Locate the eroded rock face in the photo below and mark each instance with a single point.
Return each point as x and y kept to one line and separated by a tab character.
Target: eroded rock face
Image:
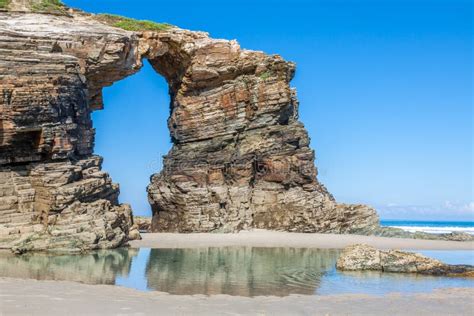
65	205
143	223
364	257
53	194
240	159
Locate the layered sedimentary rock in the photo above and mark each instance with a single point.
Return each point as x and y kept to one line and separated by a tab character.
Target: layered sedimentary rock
240	157
53	194
363	257
65	205
143	224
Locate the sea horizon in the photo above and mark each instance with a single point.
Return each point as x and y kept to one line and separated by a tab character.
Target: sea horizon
430	226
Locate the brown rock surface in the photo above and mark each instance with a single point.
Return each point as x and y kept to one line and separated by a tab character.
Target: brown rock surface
364	257
143	224
53	194
240	157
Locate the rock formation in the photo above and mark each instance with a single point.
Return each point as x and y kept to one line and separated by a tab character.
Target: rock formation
53	194
363	257
240	157
143	224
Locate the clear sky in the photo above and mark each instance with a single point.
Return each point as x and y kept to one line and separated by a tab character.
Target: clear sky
385	89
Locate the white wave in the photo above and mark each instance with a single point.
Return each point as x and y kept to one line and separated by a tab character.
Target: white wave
437	229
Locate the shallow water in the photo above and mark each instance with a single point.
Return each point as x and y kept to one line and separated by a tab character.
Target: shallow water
244	271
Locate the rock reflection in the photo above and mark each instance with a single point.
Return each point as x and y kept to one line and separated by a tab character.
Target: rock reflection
99	267
243	271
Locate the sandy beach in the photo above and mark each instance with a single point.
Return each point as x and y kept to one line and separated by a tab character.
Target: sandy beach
264	238
31	297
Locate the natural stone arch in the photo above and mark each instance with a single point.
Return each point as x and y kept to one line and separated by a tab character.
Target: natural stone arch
240	157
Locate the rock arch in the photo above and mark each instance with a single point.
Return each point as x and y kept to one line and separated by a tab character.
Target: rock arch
240	157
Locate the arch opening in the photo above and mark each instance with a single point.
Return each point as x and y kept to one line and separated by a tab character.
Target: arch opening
132	133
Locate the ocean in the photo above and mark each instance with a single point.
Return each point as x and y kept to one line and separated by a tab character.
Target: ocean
434	227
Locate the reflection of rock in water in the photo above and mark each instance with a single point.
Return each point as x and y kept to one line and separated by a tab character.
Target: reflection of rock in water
100	267
241	271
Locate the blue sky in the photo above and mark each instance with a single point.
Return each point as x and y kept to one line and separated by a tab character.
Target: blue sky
385	89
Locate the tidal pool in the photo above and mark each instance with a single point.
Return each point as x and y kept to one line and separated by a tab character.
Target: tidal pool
244	271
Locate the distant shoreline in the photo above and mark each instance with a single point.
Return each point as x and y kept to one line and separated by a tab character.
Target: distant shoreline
264	238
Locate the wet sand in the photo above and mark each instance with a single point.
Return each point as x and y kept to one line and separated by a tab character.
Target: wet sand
264	238
27	297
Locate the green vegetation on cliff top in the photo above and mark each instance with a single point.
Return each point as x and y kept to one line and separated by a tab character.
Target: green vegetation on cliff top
56	6
4	3
131	24
48	6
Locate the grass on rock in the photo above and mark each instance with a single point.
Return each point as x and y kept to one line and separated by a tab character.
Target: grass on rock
48	6
132	24
4	4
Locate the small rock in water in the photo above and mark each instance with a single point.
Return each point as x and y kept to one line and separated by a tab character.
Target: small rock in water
364	257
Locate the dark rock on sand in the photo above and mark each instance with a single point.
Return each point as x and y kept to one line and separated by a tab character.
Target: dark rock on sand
364	257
